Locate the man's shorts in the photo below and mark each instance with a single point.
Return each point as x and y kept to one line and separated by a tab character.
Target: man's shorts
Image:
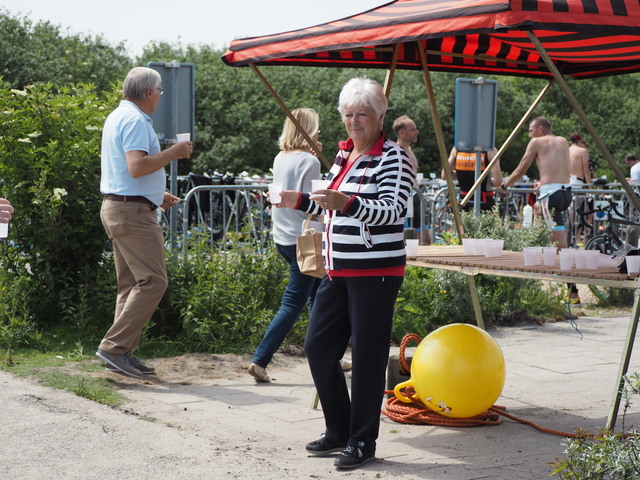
554	204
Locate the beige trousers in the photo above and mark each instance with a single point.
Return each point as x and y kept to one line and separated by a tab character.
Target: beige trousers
140	267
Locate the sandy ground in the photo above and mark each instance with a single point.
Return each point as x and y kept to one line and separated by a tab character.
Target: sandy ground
203	416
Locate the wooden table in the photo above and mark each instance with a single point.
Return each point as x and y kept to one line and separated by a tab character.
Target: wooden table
511	264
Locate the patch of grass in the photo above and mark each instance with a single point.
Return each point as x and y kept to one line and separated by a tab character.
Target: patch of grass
48	369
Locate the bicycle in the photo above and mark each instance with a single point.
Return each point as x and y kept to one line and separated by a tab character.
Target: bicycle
608	242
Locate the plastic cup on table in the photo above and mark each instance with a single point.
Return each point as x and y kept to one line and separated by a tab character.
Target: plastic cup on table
275	189
580	259
633	263
549	256
412	247
532	256
493	247
469	246
593	259
566	259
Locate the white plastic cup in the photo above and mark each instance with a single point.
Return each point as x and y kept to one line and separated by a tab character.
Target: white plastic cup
275	189
580	259
566	259
532	256
593	259
183	137
493	247
633	263
419	177
412	247
469	246
4	230
319	185
549	256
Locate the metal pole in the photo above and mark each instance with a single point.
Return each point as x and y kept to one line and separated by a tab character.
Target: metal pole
447	169
507	142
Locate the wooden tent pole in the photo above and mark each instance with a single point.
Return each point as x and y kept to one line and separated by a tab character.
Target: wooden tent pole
583	116
437	126
506	144
309	140
388	81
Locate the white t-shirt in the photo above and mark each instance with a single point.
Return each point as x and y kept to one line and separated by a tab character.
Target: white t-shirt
295	170
635	173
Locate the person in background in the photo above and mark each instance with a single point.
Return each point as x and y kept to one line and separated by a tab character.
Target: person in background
407	133
364	207
6	210
463	167
580	178
553	159
133	184
634	167
295	166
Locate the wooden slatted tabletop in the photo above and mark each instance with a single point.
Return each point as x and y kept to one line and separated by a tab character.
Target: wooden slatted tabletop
451	257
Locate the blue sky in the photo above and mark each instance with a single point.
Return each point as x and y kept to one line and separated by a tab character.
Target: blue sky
186	21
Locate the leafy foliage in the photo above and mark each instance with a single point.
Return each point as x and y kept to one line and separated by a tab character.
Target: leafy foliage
607	455
43	52
49	143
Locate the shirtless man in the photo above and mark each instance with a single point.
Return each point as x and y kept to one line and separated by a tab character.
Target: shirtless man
406	134
580	168
554	164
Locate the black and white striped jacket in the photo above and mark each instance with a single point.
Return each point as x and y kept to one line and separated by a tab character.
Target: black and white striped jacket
369	233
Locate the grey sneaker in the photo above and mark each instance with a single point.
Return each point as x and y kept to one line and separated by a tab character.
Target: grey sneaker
259	373
144	369
121	362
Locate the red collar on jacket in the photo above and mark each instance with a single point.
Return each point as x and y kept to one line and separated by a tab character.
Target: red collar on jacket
376	150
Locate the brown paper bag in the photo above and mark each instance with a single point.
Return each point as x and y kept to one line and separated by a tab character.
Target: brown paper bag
309	251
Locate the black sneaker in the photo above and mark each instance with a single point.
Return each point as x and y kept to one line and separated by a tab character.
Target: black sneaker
323	446
354	457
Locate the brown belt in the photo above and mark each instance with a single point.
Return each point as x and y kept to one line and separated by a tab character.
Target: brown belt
131	198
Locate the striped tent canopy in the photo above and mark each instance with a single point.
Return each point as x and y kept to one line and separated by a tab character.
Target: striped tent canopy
584	38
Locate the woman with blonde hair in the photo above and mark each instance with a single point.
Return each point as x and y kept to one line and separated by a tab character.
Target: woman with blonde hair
295	166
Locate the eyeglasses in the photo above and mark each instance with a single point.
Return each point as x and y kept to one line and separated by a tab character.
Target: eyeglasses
161	90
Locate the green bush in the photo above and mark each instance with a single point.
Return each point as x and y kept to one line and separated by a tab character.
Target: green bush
606	455
50	167
220	300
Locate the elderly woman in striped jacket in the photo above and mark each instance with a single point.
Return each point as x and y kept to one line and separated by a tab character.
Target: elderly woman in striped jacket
363	246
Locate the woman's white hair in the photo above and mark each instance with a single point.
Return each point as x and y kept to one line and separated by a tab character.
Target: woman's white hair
363	91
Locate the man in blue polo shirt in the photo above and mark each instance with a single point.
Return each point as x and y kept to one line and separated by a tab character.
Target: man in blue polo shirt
133	184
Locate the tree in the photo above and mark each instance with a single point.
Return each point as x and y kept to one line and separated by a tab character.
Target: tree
42	52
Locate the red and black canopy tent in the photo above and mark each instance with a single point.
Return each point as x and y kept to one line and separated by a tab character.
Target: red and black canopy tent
534	38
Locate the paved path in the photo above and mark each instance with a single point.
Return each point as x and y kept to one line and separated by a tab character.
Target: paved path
234	428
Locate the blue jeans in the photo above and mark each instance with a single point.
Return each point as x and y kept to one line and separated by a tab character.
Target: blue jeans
300	290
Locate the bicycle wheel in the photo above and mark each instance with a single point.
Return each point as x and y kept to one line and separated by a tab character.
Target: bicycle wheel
602	243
